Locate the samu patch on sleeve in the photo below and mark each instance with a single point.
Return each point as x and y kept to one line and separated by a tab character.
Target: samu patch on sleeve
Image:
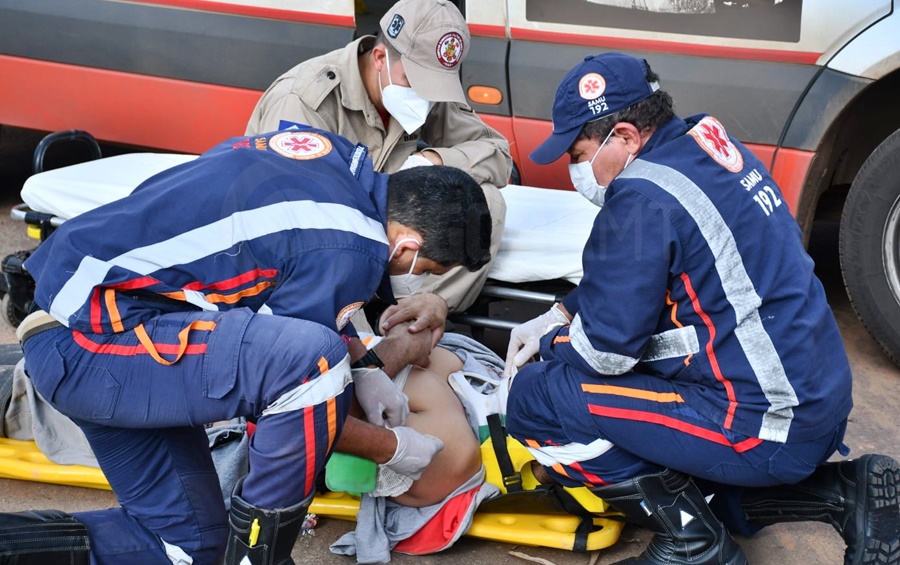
300	145
712	137
346	313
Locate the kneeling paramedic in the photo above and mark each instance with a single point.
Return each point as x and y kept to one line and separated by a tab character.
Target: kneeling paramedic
223	288
698	357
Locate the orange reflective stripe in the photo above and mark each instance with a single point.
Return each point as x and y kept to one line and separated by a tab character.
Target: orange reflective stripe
114	318
558	467
331	407
232	298
633	393
561	339
141	333
323	365
674	305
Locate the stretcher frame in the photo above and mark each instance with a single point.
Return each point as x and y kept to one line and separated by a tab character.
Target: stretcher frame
511	521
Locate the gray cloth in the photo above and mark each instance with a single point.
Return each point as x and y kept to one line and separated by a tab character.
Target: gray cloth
30	417
476	357
382	523
230	448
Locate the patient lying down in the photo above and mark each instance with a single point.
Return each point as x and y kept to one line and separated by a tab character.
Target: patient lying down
412	516
436	410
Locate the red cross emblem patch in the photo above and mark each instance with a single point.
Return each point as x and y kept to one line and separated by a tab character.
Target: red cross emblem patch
591	86
300	145
450	49
711	136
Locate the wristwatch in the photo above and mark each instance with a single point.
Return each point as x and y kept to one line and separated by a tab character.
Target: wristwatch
368	360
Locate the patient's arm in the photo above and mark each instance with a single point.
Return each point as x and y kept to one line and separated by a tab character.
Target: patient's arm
435	409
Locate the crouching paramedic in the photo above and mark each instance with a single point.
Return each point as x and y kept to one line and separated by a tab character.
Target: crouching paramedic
699	343
223	288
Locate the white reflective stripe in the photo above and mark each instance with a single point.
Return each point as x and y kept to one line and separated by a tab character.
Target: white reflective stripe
550	455
90	273
674	343
677	342
602	361
177	555
324	387
739	291
216	237
264	309
199	300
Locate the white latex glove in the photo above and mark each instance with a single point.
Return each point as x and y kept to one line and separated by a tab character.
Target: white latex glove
525	339
414	452
415	160
382	401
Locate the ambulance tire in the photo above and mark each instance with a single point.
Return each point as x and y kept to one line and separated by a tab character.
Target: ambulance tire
870	245
11	313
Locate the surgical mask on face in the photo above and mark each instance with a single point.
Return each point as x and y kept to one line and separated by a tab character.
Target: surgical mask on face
406	285
403	104
583	179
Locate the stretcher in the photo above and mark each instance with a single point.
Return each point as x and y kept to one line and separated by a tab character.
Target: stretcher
538	262
571	519
539	259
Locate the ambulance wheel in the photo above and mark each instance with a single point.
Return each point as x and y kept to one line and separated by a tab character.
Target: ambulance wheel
870	245
11	313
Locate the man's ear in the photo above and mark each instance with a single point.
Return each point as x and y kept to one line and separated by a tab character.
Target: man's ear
630	134
410	241
378	57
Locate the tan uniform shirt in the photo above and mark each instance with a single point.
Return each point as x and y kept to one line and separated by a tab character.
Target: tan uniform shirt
327	92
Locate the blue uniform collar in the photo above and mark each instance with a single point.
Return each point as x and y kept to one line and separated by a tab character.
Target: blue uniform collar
676	127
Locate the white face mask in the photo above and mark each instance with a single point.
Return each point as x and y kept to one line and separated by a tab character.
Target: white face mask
402	102
406	285
583	179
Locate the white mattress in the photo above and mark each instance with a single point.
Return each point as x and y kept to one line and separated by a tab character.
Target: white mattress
543	239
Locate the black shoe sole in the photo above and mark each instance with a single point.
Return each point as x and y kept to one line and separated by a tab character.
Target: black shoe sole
879	523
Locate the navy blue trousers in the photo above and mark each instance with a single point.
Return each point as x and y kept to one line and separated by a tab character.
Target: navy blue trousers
144	418
635	424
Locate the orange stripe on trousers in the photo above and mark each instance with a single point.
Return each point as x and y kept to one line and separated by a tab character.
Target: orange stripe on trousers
710	352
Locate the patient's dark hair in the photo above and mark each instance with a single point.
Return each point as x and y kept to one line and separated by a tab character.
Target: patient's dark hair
448	208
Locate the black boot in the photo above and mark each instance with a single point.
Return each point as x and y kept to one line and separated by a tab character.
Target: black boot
670	504
43	537
859	497
276	532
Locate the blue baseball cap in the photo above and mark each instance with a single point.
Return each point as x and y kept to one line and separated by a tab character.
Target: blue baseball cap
597	87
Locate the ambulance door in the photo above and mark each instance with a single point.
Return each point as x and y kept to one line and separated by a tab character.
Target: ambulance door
180	75
484	72
748	63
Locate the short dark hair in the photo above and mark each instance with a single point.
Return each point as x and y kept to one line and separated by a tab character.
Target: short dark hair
448	208
648	114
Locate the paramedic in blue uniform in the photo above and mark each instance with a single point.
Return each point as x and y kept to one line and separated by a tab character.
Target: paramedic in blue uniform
698	356
223	288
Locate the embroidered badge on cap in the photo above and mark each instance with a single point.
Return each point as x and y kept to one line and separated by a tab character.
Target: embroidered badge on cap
591	85
710	135
346	313
449	49
300	145
397	23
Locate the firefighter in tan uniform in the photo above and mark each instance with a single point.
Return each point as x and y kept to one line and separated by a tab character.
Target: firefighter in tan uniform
390	92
